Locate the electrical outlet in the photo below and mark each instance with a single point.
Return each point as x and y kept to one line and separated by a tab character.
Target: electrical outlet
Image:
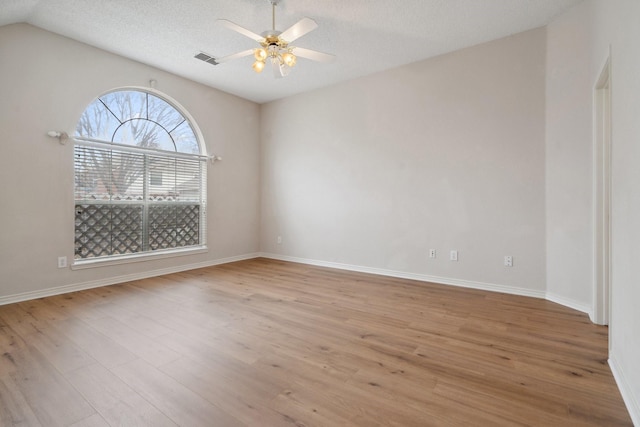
454	256
432	253
279	240
508	261
62	262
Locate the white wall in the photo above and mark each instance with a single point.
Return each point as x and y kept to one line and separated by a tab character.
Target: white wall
446	153
578	45
569	153
616	27
46	81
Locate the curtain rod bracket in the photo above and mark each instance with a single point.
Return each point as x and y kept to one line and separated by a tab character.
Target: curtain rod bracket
62	136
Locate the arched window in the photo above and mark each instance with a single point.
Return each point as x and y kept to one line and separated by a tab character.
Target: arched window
140	178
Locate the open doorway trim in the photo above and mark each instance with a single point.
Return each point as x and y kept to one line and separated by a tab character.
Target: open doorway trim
602	195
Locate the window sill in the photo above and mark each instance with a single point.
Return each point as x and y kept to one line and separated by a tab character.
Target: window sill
128	259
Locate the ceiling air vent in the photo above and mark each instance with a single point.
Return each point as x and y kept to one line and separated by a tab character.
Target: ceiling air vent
206	58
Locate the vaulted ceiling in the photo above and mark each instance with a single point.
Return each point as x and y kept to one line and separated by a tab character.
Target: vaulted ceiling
365	35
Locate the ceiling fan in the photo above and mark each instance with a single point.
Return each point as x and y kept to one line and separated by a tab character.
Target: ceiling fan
275	46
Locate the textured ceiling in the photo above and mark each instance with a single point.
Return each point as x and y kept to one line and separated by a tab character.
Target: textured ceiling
365	35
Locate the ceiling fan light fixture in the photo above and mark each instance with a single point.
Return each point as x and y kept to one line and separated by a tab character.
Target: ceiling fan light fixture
289	59
260	54
258	66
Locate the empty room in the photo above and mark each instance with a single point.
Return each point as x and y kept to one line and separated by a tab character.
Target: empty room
303	213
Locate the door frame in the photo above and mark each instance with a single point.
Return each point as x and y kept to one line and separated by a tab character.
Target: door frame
602	195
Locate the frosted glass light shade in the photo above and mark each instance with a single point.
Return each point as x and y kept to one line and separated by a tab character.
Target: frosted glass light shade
258	66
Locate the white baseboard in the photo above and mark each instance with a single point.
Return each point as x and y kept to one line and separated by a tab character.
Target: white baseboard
567	302
412	276
633	405
25	296
379	271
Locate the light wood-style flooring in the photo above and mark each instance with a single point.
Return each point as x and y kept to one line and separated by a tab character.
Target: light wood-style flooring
270	343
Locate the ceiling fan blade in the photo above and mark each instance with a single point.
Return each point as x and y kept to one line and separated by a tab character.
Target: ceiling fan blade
237	28
299	29
234	56
314	55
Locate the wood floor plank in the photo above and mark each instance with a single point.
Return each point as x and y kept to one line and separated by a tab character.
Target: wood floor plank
94	420
233	393
116	402
21	321
294	409
43	310
97	345
144	325
59	350
51	398
10	343
223	366
274	343
81	305
14	409
148	349
179	403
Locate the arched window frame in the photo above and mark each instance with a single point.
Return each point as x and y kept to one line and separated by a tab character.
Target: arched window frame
154	238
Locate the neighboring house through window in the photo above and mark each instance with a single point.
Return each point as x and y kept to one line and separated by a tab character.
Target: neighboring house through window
140	178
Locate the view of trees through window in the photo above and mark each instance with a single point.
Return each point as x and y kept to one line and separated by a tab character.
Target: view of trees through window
139	179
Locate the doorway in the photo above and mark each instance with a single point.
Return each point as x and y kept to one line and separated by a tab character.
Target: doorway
602	202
